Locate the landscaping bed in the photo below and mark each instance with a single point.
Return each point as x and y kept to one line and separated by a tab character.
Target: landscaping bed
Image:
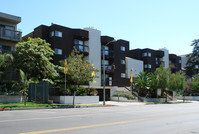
31	105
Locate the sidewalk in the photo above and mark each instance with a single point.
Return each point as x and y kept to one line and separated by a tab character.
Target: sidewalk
115	103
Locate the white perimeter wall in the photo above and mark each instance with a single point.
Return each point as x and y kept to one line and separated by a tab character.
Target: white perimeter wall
166	57
94	56
79	99
137	66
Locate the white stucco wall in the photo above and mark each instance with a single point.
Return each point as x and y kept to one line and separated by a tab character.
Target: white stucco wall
136	65
166	57
183	61
79	99
11	99
94	56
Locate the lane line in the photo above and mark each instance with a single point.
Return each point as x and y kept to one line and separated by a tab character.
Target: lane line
106	124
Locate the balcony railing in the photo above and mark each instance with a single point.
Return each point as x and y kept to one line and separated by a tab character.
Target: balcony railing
172	66
10	34
108	69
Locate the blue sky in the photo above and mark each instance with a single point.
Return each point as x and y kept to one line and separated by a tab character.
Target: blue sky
145	23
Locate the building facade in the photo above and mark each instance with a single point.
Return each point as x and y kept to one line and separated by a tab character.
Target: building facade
89	42
175	63
9	36
152	59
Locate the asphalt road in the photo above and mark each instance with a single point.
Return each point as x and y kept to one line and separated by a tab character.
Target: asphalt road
123	119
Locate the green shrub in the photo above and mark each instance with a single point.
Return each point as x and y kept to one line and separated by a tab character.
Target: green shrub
92	92
125	95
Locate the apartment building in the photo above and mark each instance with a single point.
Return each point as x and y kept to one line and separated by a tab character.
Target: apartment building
175	63
152	59
90	42
9	36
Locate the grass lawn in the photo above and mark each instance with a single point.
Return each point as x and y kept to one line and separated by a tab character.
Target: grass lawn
32	104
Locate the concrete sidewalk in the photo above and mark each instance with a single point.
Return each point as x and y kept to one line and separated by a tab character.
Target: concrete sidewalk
115	103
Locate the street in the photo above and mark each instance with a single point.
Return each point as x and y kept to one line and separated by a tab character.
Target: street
123	119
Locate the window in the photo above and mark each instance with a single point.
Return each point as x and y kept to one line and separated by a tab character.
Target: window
55	33
52	34
145	65
149	65
149	54
106	50
122	61
122	48
180	61
144	54
123	75
110	81
79	42
58	51
105	47
58	33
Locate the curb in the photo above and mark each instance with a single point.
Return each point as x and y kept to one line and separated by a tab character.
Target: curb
58	107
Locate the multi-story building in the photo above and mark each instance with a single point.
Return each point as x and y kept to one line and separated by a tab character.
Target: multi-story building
115	63
90	42
175	63
62	39
152	59
9	35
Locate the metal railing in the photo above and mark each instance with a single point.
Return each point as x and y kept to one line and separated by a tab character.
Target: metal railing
10	34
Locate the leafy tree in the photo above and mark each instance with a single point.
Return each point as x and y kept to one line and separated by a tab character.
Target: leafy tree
195	84
142	83
192	66
177	82
5	62
33	57
79	71
24	84
153	85
163	80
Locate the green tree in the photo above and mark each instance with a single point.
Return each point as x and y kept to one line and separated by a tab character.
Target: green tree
33	57
163	80
177	82
192	66
153	85
5	63
142	83
79	70
195	84
24	84
5	60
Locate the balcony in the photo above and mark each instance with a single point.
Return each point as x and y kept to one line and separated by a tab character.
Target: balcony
82	49
172	66
10	35
108	69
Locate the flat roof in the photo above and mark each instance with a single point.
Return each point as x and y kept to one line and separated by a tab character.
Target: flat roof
10	18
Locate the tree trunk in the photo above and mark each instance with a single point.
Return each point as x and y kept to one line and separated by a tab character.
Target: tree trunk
25	99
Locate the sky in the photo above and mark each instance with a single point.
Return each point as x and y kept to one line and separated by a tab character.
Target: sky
154	24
